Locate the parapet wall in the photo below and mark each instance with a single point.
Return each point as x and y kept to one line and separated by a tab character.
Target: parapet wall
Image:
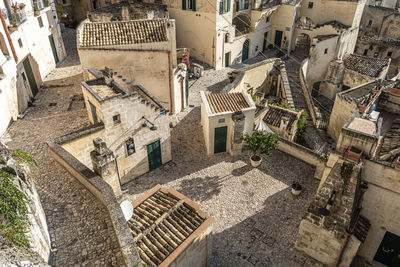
306	90
103	192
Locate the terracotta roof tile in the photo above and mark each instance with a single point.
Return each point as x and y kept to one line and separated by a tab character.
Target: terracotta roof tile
366	65
223	102
161	223
123	32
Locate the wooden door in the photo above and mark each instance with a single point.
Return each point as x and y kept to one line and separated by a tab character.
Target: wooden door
388	252
53	48
220	139
154	155
30	76
245	50
94	113
278	39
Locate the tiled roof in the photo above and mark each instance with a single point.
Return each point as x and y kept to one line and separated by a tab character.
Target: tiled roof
365	65
275	114
162	222
123	32
224	102
391	141
357	93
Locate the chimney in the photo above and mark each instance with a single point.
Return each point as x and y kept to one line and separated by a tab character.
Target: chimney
104	165
125	13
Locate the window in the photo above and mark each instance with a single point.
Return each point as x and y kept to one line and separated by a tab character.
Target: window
116	119
365	52
389	54
310	5
130	146
370	23
226	37
221	120
40	21
246	4
20	42
326	51
267	19
224	6
189	5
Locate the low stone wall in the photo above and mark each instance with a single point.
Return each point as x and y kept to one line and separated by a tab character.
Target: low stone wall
103	192
302	153
306	91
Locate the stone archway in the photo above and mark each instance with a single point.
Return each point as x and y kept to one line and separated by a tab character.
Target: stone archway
303	42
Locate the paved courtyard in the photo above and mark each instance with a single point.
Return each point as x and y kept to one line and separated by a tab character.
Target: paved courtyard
256	217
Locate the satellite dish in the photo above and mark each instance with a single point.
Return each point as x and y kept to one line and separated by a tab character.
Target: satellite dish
127	209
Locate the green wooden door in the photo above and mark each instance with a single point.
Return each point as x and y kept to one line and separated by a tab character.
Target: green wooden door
278	39
220	139
31	77
53	48
227	57
388	252
94	113
245	50
154	155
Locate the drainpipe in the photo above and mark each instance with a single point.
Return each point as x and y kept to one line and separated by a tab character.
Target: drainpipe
3	21
170	87
345	242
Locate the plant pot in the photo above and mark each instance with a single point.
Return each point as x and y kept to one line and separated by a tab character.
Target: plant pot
362	109
296	192
255	161
16	10
395	91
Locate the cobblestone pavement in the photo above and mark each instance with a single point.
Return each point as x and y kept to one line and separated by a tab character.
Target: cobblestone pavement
79	224
256	217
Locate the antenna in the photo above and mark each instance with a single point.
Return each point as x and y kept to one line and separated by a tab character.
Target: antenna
127	209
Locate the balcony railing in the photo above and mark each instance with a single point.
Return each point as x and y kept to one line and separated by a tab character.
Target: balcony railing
18	16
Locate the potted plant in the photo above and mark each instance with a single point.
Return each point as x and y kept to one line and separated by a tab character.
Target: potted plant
260	142
15	7
21	6
296	188
395	89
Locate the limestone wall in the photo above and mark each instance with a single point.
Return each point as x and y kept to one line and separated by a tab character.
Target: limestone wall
150	69
341	113
303	72
37	231
381	205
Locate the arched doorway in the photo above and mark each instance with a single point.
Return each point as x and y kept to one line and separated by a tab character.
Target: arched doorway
245	50
303	42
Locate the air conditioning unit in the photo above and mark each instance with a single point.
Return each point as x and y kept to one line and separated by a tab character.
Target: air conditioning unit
38	5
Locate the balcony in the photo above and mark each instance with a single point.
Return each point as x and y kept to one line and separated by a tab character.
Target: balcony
39	5
17	17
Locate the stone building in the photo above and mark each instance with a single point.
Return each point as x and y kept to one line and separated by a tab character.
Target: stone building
380	36
31	46
225	117
351	72
133	127
143	51
281	121
357	215
346	102
170	230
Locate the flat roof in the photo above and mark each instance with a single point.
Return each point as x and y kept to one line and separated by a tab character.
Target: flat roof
224	102
363	125
164	223
103	91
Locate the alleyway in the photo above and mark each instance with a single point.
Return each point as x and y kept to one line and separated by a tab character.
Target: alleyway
79	225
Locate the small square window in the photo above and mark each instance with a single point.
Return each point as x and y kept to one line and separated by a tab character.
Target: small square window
326	51
310	5
20	42
116	119
389	54
365	52
221	120
40	21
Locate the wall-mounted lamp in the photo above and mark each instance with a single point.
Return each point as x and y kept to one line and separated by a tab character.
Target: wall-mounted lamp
152	127
325	211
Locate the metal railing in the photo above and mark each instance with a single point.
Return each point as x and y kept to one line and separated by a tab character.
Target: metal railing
18	17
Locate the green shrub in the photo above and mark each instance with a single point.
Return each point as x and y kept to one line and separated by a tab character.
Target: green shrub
301	128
